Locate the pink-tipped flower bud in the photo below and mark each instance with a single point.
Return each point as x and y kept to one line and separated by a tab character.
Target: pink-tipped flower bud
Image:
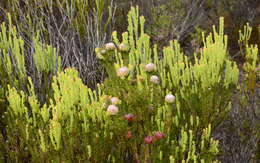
112	110
129	117
154	79
115	100
123	47
169	98
128	135
123	71
150	67
148	140
159	135
110	46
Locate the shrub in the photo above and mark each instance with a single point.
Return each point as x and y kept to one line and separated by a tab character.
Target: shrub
129	116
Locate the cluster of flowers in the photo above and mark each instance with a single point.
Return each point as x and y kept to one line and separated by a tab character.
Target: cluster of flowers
124	71
148	139
113	109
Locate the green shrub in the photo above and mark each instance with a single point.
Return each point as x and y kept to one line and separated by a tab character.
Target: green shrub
149	108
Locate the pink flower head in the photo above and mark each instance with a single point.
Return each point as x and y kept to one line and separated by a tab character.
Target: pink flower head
129	117
148	140
154	79
128	135
112	110
169	98
115	100
159	135
150	67
110	46
123	71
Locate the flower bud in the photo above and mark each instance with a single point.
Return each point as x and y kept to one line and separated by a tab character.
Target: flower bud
159	135
129	117
112	110
123	71
103	51
115	100
150	67
110	46
128	135
154	79
123	47
148	140
169	98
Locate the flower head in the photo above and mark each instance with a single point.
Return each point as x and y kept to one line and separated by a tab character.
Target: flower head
123	71
169	98
103	51
148	140
159	135
110	46
115	100
112	110
154	79
150	67
128	135
129	117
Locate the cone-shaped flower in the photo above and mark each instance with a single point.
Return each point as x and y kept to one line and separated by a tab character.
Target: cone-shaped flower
148	140
128	135
112	110
150	67
123	47
129	117
110	46
123	71
115	100
159	135
154	79
169	98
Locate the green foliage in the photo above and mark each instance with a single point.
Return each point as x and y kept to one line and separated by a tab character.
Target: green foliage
150	108
45	58
12	55
203	89
14	74
66	133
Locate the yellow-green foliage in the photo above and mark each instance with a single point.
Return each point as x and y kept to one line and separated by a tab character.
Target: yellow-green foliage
73	120
12	49
250	67
12	56
203	86
79	122
182	104
45	58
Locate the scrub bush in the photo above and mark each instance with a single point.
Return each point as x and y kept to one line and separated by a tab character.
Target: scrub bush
150	108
